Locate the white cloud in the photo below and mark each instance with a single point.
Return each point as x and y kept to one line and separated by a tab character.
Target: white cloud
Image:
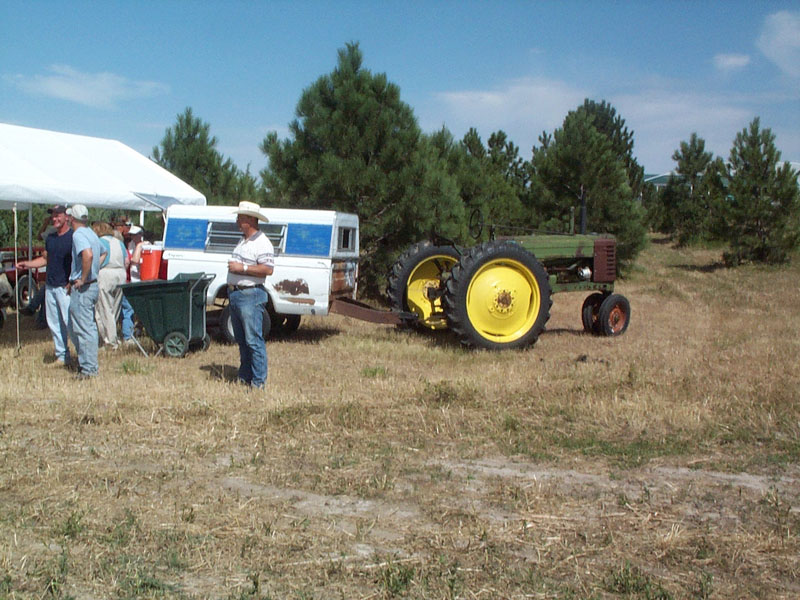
523	108
731	62
780	41
660	114
97	90
662	118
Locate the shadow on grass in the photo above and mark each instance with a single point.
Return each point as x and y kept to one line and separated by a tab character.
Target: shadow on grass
305	335
445	339
566	331
28	331
441	338
661	240
226	373
709	268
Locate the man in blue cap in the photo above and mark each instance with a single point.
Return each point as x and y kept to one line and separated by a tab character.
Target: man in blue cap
57	257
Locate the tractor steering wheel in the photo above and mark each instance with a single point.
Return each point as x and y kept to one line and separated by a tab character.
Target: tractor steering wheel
476	224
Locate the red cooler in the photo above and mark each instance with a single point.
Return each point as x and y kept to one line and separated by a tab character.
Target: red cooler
152	267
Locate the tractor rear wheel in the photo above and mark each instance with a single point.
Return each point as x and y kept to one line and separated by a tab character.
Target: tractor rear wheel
614	315
416	283
498	297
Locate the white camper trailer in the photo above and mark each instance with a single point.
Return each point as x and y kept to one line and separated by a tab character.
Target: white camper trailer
316	257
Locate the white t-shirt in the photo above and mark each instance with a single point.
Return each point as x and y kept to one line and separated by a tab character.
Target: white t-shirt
134	266
255	250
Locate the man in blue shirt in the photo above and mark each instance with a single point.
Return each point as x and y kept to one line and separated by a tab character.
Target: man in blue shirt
87	254
57	257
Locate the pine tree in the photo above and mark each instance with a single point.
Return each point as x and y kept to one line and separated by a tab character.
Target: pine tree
692	215
188	150
487	178
664	215
581	161
609	123
764	212
355	146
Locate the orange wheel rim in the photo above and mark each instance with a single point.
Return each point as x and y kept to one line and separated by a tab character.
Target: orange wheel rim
617	319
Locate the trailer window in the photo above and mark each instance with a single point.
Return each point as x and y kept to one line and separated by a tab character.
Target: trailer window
223	237
347	238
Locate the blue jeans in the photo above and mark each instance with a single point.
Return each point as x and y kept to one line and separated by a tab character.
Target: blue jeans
247	310
126	310
83	328
57	303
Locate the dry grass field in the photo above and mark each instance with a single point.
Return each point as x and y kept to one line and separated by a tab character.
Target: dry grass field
386	464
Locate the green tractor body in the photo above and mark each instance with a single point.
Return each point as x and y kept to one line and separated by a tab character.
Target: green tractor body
497	295
574	263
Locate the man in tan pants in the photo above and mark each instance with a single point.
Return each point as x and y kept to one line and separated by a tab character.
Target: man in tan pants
112	274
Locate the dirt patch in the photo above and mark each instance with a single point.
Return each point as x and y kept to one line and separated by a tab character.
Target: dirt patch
345	510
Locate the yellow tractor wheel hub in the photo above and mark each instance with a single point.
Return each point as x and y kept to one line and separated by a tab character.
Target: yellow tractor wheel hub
503	300
427	276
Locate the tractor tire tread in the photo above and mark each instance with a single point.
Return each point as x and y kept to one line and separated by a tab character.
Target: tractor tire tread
397	281
458	283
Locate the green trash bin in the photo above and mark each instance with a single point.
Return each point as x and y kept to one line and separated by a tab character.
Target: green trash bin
172	312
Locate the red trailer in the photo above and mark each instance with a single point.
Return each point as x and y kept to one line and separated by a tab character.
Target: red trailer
24	283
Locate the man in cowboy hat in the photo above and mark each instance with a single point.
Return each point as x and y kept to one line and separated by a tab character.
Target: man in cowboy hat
251	263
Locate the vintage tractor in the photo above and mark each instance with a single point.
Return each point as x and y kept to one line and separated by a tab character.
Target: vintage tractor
497	295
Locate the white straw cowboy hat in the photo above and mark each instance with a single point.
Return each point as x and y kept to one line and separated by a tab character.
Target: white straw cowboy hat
251	209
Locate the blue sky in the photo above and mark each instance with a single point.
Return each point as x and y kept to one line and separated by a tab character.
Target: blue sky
125	70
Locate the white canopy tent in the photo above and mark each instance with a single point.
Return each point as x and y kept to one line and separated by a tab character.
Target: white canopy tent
48	167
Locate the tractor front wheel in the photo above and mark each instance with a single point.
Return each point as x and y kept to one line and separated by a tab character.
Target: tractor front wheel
614	315
498	297
590	311
416	283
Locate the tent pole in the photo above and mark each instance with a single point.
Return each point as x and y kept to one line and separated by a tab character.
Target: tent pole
30	232
16	279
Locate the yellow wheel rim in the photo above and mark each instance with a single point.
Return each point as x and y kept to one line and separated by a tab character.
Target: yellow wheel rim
427	275
503	300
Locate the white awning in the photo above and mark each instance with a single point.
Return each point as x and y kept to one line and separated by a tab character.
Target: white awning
47	167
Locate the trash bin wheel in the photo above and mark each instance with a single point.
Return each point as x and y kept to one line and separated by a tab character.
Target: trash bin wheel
175	344
206	342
